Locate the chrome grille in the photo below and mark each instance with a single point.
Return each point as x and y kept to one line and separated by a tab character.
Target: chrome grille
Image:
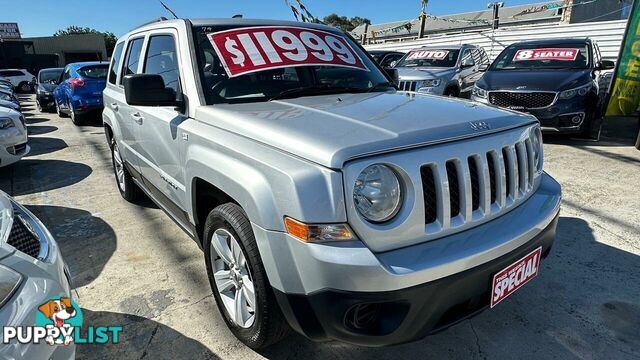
22	239
522	100
407	85
477	185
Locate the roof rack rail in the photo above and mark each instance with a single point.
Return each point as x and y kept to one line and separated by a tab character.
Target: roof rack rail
161	18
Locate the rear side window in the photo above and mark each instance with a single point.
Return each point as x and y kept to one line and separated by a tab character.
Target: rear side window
133	57
11	73
94	72
115	63
161	59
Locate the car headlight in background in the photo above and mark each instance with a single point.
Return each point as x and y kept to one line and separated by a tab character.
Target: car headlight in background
536	144
6	123
479	92
580	91
9	283
377	193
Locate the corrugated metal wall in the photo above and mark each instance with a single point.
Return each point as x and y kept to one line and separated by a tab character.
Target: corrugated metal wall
608	34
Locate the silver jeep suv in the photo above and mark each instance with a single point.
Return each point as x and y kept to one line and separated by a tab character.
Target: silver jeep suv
448	70
324	199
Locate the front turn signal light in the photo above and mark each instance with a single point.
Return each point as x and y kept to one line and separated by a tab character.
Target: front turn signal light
318	233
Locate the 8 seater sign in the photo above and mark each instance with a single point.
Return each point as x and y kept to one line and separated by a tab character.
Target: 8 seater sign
564	54
250	49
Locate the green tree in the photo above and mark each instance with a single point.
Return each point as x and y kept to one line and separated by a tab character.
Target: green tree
109	38
344	22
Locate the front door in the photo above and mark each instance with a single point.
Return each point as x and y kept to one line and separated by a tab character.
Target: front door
159	135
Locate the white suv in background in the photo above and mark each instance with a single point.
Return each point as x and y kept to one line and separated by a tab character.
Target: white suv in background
21	79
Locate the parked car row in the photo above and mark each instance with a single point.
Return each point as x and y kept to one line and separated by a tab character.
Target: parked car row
13	129
20	79
558	81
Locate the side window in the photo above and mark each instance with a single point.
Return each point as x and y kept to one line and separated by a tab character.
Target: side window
132	58
4	73
162	59
466	55
485	58
115	63
66	74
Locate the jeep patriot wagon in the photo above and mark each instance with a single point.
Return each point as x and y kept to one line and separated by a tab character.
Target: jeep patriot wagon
325	200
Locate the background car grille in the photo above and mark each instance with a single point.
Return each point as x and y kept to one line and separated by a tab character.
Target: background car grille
407	85
521	100
498	177
23	240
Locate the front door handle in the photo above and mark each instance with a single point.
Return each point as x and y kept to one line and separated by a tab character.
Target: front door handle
115	106
137	118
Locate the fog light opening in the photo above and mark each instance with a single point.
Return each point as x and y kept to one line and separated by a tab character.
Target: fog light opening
576	119
363	316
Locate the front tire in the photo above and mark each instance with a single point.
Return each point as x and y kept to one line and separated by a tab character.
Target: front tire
127	188
238	279
452	92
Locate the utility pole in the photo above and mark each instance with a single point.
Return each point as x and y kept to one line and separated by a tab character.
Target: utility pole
496	13
423	19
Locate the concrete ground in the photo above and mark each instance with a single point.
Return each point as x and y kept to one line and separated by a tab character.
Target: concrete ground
134	267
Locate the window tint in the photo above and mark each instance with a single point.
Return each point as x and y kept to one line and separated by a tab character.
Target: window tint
115	63
11	73
133	57
162	60
93	72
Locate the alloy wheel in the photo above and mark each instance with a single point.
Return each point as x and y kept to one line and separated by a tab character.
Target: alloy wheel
232	278
119	168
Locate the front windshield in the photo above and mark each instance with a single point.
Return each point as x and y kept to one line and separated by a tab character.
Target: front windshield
49	76
294	69
547	57
430	58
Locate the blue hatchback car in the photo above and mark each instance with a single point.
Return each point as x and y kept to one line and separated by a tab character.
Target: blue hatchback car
79	92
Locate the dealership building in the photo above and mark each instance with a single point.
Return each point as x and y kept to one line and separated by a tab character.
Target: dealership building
35	53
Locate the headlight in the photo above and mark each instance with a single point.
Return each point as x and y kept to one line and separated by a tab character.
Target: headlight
6	123
536	144
581	91
377	194
430	83
6	217
9	283
479	92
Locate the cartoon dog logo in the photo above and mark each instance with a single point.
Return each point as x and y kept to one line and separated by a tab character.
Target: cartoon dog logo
58	311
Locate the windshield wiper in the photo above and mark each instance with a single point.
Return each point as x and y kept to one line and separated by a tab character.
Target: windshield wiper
315	90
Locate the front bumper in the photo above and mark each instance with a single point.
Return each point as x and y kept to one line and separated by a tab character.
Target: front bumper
417	289
13	146
46	101
42	280
564	116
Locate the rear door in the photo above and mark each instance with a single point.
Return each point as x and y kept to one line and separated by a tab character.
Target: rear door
129	124
467	74
160	135
62	90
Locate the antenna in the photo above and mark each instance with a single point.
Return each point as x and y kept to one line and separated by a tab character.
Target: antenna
169	10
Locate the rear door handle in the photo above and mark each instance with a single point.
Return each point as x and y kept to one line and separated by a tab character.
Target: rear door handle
115	106
137	118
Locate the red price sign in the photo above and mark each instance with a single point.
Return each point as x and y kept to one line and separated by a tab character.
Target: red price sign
251	49
563	54
428	55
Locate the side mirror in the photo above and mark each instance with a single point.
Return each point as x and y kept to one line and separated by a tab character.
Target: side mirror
483	67
467	63
606	65
393	74
148	90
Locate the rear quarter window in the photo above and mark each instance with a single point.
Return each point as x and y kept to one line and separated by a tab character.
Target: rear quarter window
115	63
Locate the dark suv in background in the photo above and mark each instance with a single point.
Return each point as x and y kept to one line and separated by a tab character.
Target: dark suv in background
558	81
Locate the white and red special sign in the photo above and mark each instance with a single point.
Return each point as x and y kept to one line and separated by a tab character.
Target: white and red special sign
428	55
507	281
251	49
564	54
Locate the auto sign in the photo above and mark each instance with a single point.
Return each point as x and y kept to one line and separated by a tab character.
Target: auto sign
252	49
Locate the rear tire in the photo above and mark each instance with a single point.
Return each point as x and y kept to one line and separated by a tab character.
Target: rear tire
226	231
127	188
76	119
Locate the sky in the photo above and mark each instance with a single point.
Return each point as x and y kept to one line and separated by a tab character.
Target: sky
44	17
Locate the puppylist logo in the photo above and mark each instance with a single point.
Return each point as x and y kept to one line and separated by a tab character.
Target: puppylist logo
59	322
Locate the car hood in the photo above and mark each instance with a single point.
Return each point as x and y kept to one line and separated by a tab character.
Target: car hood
555	80
330	130
6	105
423	73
